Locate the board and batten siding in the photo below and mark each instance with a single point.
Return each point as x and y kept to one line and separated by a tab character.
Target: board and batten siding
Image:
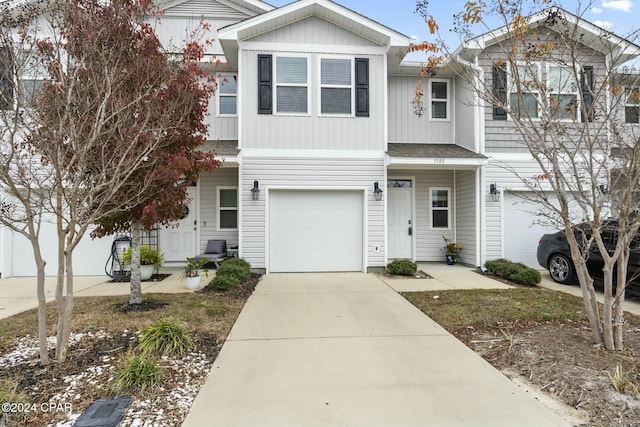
220	127
466	215
404	124
308	174
173	31
501	136
312	132
465	107
313	30
209	182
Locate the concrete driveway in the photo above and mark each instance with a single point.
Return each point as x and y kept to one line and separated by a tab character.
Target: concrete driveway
345	349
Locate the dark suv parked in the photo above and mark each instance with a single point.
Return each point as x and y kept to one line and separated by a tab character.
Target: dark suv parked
554	255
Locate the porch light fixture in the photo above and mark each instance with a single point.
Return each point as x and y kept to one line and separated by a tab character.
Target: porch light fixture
255	191
377	191
495	193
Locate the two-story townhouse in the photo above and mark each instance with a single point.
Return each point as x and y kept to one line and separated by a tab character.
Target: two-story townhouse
327	167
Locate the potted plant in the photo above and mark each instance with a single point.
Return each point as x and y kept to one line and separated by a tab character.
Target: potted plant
452	251
150	259
191	272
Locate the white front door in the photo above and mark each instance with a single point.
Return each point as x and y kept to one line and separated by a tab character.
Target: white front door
400	221
179	242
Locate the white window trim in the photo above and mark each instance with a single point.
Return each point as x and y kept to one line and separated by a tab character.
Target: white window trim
219	208
221	77
321	86
276	84
512	87
448	208
627	105
447	100
575	93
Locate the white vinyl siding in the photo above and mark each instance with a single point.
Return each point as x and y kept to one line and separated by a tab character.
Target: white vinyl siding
336	86
312	131
226	177
317	173
466	218
206	8
314	30
406	126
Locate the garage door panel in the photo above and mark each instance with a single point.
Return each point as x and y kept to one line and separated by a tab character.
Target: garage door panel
315	231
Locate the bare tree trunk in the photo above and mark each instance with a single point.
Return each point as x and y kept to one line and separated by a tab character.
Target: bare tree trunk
618	323
590	302
136	279
607	327
42	313
60	300
67	314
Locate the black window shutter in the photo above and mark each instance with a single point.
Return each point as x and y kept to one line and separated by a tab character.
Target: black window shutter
6	79
586	85
265	84
499	91
362	87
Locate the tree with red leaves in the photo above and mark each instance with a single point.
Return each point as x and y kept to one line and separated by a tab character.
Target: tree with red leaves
119	125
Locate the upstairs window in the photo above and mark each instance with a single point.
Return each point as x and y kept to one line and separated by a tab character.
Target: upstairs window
632	105
32	78
563	92
292	84
523	93
439	94
228	95
336	80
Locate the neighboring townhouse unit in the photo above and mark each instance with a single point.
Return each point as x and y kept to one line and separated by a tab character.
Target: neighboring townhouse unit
326	165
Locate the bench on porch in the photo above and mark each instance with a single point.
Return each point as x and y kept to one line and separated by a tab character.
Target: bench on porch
215	252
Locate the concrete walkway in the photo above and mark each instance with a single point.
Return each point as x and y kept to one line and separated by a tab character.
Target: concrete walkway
18	294
347	350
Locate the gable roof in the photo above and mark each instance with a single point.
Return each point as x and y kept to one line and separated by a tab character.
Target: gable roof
617	48
246	7
324	9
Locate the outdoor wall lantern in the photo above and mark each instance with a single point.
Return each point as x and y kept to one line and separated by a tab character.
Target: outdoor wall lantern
255	191
495	193
377	191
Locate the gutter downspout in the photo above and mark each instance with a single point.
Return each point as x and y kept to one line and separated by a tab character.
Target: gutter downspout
479	147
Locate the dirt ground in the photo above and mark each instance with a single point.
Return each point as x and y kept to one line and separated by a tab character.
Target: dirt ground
556	360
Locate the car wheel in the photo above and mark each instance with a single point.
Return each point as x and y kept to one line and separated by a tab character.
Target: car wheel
561	269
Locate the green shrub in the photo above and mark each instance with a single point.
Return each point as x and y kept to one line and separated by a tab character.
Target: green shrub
223	283
166	336
402	267
514	271
238	261
234	269
137	372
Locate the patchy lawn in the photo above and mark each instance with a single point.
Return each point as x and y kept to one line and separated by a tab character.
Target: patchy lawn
540	338
104	331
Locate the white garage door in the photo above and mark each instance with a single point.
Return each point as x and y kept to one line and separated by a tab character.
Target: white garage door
315	230
521	236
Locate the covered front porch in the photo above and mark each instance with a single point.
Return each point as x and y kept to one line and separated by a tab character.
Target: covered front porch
434	191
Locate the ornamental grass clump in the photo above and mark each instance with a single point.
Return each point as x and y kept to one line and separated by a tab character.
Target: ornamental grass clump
137	372
166	336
